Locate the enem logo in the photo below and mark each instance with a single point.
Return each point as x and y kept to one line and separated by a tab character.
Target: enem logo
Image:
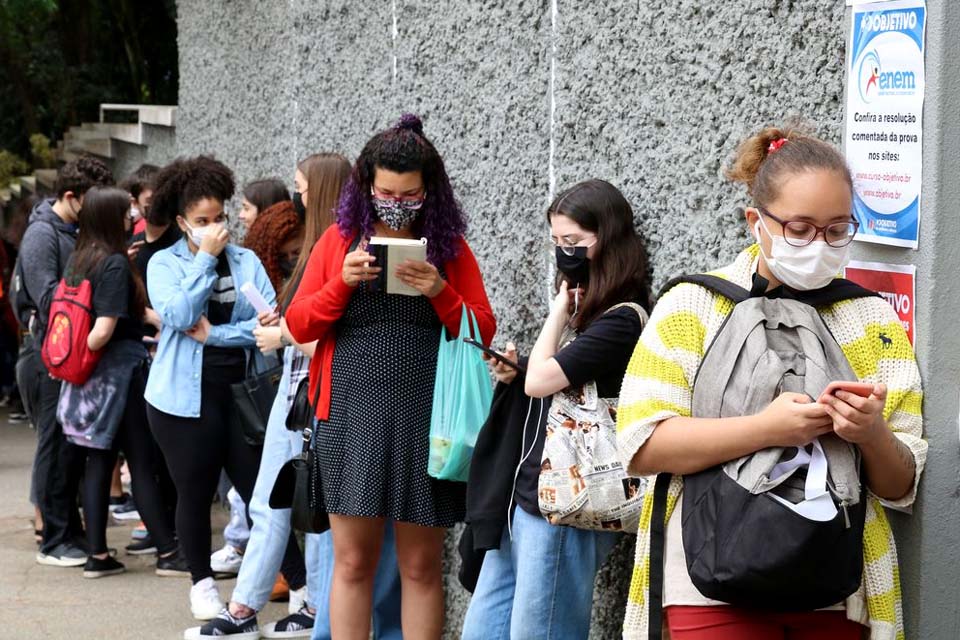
874	81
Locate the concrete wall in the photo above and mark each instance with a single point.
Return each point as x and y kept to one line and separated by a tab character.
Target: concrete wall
524	98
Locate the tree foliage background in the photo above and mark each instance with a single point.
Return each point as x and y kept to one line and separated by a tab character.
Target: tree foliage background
59	59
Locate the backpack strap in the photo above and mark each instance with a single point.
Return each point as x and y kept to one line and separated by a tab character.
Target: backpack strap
657	536
716	284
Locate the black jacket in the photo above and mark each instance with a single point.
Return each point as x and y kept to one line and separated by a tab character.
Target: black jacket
492	471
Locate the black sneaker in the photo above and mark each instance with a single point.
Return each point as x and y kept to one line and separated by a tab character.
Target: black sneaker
141	547
226	625
63	555
173	566
97	568
297	625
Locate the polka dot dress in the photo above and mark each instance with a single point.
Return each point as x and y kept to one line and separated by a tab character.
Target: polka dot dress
373	450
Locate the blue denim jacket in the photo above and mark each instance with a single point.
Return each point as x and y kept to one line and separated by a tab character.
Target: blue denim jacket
179	285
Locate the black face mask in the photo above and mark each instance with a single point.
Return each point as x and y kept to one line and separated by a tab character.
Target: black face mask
299	207
287	266
575	267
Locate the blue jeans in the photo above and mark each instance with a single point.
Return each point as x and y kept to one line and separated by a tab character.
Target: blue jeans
539	585
271	530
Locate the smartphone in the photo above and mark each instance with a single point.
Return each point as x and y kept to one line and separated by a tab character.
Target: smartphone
493	354
862	389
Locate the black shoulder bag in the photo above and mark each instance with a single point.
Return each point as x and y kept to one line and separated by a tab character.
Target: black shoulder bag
298	484
253	398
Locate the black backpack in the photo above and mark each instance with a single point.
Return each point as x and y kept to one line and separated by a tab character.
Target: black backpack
757	533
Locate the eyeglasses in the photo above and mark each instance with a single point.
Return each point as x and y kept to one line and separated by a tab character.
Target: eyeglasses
799	233
570	248
411	201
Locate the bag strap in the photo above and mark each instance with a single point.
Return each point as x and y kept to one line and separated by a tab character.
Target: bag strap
641	312
355	243
308	428
716	284
657	535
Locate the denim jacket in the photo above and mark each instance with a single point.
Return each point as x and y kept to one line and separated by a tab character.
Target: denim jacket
179	285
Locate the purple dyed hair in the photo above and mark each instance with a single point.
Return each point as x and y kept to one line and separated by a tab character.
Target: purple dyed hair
404	148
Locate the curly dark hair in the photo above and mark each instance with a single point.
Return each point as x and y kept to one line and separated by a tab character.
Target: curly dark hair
404	148
81	174
271	230
186	181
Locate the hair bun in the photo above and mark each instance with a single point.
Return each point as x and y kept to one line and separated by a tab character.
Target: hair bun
411	122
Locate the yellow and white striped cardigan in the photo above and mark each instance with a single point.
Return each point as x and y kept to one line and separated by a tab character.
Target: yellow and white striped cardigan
658	385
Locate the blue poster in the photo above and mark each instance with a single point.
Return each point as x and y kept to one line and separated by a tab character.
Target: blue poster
884	128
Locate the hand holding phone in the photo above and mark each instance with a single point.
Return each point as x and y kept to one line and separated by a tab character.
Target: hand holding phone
862	389
495	355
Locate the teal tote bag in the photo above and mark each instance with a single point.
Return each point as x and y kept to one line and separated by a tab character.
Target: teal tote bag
462	395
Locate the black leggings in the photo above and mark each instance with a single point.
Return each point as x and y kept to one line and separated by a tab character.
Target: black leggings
196	449
136	442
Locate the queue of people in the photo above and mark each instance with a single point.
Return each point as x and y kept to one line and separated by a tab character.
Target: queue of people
750	427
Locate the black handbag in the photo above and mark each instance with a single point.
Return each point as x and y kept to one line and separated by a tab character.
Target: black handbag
298	486
300	411
253	398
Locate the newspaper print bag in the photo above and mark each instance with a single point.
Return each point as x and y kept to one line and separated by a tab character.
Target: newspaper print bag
582	482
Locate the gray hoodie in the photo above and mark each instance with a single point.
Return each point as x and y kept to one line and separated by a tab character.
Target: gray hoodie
44	252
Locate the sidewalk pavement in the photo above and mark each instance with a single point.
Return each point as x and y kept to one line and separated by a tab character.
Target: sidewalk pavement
47	602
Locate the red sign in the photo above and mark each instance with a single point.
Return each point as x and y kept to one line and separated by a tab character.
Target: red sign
895	282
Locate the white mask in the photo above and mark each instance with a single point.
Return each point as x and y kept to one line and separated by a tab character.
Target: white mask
802	268
134	214
197	234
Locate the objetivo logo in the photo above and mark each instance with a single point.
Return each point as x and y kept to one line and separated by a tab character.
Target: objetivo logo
875	81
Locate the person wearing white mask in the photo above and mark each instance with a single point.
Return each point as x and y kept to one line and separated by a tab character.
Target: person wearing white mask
802	222
206	342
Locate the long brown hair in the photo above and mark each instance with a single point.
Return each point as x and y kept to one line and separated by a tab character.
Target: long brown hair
619	271
102	235
326	174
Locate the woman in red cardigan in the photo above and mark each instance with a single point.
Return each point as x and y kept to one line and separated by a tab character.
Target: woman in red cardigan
376	365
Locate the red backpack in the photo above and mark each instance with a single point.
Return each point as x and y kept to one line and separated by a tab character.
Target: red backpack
65	351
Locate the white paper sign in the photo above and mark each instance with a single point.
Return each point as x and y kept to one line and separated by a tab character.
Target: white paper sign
884	128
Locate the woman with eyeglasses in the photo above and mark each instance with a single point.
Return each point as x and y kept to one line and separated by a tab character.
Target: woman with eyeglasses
205	343
375	366
539	583
801	221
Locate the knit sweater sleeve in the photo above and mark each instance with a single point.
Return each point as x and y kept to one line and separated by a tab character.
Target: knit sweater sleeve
879	351
658	383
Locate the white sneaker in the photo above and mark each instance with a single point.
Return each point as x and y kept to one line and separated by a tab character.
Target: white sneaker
205	602
226	560
298	600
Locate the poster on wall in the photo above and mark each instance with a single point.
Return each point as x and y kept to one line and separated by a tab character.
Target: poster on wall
884	137
896	283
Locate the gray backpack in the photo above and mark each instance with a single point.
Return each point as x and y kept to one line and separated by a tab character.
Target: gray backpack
782	528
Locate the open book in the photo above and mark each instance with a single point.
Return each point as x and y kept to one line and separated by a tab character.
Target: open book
390	254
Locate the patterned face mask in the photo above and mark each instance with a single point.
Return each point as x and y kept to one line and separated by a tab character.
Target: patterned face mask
397	214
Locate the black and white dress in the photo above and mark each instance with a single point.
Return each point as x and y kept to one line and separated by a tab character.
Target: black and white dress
373	450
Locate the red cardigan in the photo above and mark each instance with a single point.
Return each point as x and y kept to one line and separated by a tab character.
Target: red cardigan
323	296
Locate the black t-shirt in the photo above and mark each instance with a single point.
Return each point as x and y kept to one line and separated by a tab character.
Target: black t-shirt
113	293
220	311
148	249
601	353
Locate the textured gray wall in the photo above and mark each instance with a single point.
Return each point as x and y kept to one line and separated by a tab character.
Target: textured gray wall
524	98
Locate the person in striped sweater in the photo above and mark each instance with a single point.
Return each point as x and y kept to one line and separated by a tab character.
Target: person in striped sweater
792	178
